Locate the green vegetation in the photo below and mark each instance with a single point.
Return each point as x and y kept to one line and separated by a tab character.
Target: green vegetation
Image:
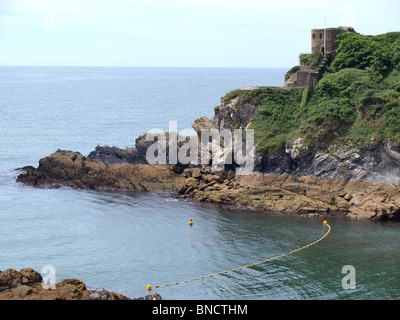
311	60
277	117
231	95
291	71
357	100
377	54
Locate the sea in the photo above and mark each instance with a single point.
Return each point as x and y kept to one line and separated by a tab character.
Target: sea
124	241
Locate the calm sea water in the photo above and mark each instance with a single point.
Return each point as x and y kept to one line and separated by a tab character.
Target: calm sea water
123	241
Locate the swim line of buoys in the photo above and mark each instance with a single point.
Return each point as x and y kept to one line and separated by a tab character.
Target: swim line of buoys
325	223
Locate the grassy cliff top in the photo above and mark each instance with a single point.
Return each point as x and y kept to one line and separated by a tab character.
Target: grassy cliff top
357	100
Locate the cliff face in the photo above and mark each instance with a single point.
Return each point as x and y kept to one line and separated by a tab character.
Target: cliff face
374	162
346	127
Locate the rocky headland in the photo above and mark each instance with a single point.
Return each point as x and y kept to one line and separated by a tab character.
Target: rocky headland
330	147
283	193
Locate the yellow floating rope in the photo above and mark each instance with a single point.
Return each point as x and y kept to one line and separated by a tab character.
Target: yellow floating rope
325	223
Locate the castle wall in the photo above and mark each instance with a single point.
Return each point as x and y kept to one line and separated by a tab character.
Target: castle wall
307	79
317	39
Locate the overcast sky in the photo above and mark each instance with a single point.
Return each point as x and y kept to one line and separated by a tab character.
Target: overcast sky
177	33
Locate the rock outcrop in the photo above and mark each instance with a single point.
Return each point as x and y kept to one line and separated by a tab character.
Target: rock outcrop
374	162
26	284
291	194
72	169
278	192
112	155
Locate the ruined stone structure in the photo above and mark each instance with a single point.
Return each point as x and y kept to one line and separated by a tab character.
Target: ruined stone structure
323	41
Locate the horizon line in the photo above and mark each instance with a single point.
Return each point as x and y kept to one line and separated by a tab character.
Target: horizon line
100	66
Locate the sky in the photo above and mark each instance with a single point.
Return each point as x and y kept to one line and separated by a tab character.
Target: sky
177	33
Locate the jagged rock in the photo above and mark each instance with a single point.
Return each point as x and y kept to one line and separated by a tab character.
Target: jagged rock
71	289
21	292
76	171
30	276
192	182
170	139
153	296
203	123
231	174
196	173
10	279
111	155
99	294
141	144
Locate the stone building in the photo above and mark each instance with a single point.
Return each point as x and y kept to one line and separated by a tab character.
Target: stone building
324	42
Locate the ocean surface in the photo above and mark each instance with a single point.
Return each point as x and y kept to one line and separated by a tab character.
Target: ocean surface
123	241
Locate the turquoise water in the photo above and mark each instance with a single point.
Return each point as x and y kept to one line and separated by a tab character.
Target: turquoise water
123	241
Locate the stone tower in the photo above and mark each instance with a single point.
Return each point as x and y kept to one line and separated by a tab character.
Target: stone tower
324	40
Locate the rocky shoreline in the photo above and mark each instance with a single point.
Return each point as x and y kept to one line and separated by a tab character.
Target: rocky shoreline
26	284
325	179
283	193
289	194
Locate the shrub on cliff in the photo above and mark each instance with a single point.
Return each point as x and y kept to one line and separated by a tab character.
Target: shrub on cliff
335	99
352	104
277	118
291	71
379	54
349	105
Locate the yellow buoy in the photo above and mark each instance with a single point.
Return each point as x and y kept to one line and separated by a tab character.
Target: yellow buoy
190	222
325	223
148	288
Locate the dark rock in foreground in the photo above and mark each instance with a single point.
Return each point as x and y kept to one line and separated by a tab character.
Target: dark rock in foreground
26	284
